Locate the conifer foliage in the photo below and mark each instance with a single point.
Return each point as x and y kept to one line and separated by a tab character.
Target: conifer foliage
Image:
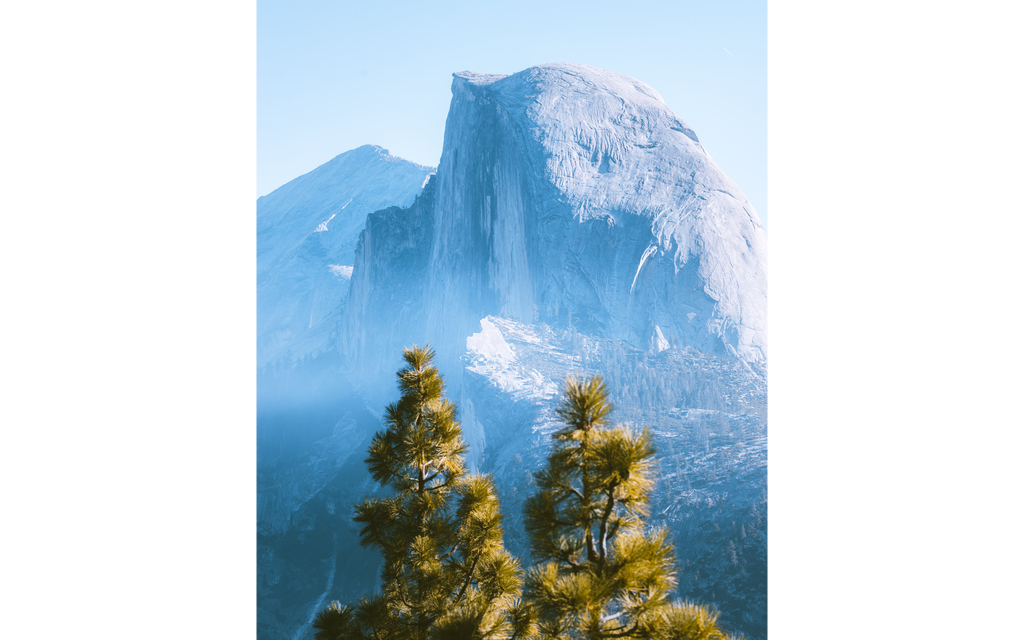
446	572
601	574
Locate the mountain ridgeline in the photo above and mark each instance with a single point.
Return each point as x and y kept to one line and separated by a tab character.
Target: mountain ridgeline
574	225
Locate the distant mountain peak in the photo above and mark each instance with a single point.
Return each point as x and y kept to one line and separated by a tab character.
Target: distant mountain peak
307	231
374	151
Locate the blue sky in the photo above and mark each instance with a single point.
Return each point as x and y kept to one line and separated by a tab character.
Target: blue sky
332	76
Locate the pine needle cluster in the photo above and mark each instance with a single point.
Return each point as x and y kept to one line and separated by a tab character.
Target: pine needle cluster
446	572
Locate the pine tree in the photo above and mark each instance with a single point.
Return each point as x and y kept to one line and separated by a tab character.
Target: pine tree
600	573
446	572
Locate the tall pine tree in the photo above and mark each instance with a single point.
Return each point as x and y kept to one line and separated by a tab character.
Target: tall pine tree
446	572
600	573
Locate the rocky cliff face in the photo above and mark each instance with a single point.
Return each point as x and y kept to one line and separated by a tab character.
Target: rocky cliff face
387	305
574	196
575	225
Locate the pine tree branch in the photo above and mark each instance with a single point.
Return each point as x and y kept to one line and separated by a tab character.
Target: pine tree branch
591	547
448	556
415	623
614	529
469	578
585	504
609	506
446	483
622	631
567	558
574	491
472	569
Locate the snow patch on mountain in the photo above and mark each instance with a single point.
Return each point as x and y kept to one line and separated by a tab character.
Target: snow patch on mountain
491	356
341	270
323	225
489	346
658	341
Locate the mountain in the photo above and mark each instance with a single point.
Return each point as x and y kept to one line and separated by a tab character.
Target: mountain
574	225
306	235
573	196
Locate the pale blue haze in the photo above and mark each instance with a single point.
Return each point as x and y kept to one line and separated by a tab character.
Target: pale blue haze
332	76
